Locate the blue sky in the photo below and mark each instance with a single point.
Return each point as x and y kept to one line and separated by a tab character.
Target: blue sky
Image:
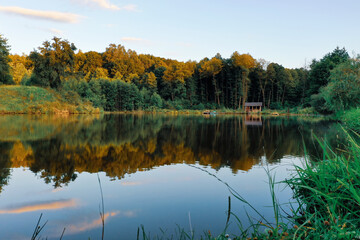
287	32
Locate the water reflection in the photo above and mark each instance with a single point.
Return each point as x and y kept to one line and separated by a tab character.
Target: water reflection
57	148
40	206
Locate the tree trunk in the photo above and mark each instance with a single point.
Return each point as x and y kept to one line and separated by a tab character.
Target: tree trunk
283	97
270	95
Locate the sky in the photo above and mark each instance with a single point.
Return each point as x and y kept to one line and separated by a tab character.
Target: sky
288	32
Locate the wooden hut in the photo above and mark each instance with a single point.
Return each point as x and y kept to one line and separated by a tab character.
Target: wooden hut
253	120
253	107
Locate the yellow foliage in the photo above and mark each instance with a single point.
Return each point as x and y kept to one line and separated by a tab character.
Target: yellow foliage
211	67
244	60
179	71
21	156
101	73
149	79
18	68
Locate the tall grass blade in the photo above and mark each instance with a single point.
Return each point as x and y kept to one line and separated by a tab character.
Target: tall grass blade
102	209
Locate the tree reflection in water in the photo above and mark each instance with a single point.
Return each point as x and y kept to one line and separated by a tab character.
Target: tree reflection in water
56	147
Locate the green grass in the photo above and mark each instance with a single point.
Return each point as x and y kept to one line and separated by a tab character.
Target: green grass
37	100
351	118
328	193
291	111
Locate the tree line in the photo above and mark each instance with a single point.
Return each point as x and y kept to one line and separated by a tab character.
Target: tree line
120	79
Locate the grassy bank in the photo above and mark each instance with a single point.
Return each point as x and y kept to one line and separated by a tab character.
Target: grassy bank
351	118
227	111
37	100
328	193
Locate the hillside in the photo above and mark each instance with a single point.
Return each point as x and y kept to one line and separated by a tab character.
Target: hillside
37	100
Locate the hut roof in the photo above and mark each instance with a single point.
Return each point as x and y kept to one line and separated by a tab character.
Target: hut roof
253	104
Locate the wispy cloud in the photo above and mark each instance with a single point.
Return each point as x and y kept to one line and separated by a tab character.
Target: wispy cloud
105	4
131	8
52	205
84	226
43	15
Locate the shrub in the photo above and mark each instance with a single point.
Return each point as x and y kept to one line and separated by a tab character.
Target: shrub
352	119
156	101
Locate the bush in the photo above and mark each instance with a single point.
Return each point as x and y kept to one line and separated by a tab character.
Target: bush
351	118
156	101
343	90
211	106
25	81
177	104
306	111
276	105
36	81
199	106
318	102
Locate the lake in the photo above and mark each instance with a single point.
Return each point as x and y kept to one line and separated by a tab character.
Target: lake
161	171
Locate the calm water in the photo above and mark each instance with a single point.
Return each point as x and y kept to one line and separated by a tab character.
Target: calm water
149	170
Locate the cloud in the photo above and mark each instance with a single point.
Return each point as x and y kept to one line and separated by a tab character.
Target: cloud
52	205
85	226
130	8
43	15
105	4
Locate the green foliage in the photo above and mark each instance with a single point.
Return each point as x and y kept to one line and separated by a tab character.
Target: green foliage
156	101
52	64
199	106
307	111
108	89
328	193
5	77
343	90
351	118
319	104
320	70
95	94
112	80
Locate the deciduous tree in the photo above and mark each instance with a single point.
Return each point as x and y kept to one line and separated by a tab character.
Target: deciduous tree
5	76
52	62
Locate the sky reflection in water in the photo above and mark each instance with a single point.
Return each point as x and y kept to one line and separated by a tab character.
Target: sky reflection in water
48	165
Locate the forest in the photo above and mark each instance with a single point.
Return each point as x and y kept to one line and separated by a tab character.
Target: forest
122	80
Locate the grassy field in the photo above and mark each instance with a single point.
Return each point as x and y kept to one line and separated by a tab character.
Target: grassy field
37	100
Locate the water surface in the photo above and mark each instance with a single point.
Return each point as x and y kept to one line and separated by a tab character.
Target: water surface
150	167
